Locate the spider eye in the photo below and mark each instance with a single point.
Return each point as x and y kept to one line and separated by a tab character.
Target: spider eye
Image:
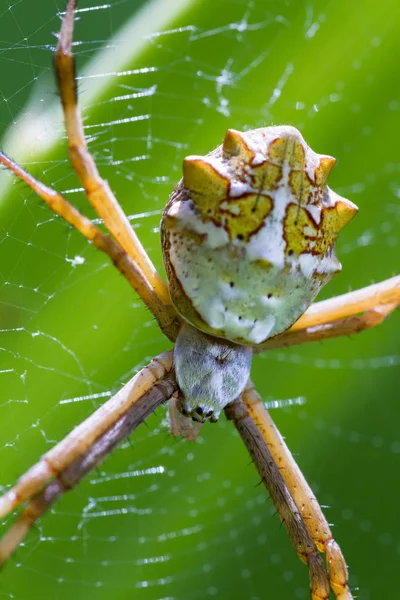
199	414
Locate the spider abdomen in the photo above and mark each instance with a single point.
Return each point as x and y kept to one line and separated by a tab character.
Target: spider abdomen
249	234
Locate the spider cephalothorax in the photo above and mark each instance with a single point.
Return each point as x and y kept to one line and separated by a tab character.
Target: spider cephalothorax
249	240
211	373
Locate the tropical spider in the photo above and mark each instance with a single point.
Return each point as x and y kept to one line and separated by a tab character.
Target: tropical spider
220	239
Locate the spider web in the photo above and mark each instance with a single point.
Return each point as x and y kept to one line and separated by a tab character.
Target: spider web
165	519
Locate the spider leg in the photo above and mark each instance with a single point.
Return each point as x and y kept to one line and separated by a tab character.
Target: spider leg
341	327
372	296
301	492
340	315
78	443
124	263
71	475
282	497
97	189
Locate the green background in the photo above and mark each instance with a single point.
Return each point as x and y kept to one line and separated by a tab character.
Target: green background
203	527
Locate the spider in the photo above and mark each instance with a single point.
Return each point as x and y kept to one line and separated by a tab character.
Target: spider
248	240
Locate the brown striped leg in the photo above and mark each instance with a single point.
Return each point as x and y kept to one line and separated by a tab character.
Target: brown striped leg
77	444
97	189
306	502
127	267
94	455
282	498
342	315
373	296
318	333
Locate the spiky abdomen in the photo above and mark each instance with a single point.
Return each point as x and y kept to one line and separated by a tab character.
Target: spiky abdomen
249	234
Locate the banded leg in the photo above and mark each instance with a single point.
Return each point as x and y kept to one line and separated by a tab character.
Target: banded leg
78	443
385	292
97	189
281	496
69	477
301	492
127	267
342	327
341	315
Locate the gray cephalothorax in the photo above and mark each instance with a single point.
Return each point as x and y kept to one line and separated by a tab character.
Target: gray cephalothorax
211	372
